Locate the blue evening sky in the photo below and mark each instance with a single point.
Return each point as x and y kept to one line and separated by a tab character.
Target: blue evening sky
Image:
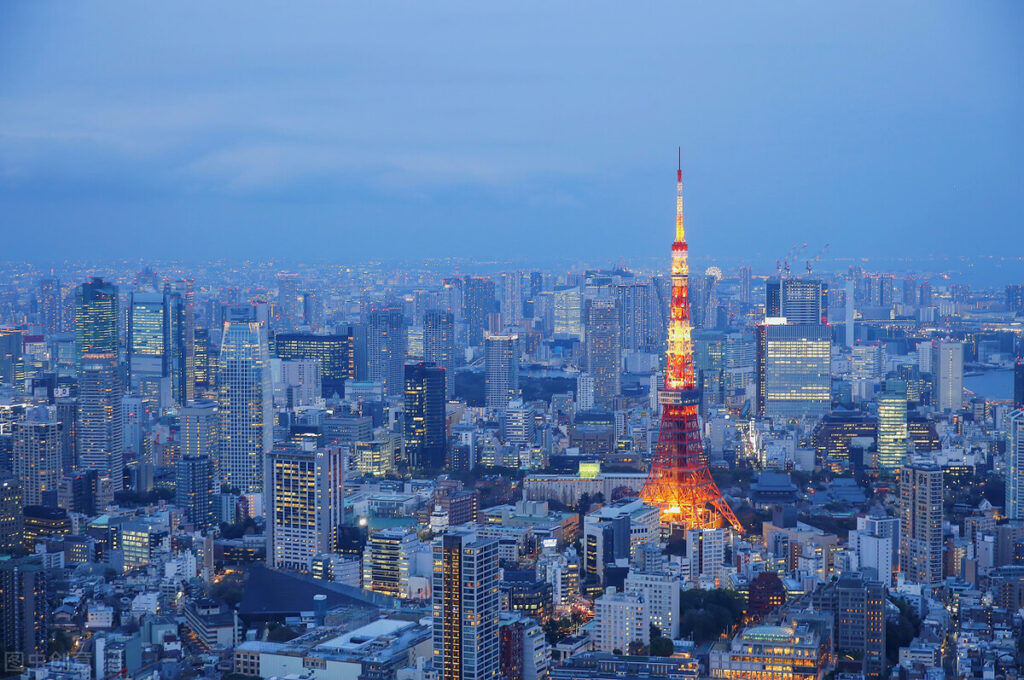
355	130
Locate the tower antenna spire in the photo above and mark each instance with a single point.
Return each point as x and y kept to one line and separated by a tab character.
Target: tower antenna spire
679	481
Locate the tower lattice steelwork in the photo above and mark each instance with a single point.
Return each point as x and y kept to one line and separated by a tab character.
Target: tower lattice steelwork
680	482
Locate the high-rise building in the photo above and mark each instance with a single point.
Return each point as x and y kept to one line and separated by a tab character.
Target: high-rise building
245	405
24	613
335	353
439	345
892	425
50	305
640	317
12	518
794	370
199	426
12	358
620	619
799	301
288	303
1015	298
465	606
304	492
148	340
948	376
96	314
194	487
920	510
36	460
604	350
567	316
787	652
424	420
660	591
181	343
501	360
385	349
477	304
745	280
1015	466
100	424
511	298
388	562
857	605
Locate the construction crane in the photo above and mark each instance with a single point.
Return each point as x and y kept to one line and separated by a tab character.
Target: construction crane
817	257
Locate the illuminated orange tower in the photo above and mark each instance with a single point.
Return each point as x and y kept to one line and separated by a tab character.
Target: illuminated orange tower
680	482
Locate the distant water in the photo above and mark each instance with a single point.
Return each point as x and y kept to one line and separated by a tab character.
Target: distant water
993	385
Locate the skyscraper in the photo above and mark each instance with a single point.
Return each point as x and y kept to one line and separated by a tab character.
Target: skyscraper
948	376
385	349
100	425
604	350
465	606
794	370
336	354
12	358
501	359
511	298
439	345
245	405
800	301
477	304
568	312
199	425
892	425
304	491
388	562
96	313
194	490
12	517
148	341
1015	466
24	615
745	280
920	510
857	605
424	424
36	459
50	304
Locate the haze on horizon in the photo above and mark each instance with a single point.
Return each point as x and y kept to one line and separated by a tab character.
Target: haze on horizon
526	130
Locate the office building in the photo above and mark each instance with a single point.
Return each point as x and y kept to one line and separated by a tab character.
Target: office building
620	619
465	606
786	652
51	305
477	304
920	508
1015	466
12	518
100	424
640	320
794	370
12	358
892	425
439	345
24	612
195	490
36	456
336	355
567	316
385	349
388	561
603	350
857	605
948	376
199	428
799	301
424	419
96	314
245	406
501	362
374	458
304	492
660	591
148	340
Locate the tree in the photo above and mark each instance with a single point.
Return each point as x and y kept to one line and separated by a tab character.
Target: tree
636	648
662	646
706	614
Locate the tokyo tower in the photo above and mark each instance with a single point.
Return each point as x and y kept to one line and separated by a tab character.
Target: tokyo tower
680	482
